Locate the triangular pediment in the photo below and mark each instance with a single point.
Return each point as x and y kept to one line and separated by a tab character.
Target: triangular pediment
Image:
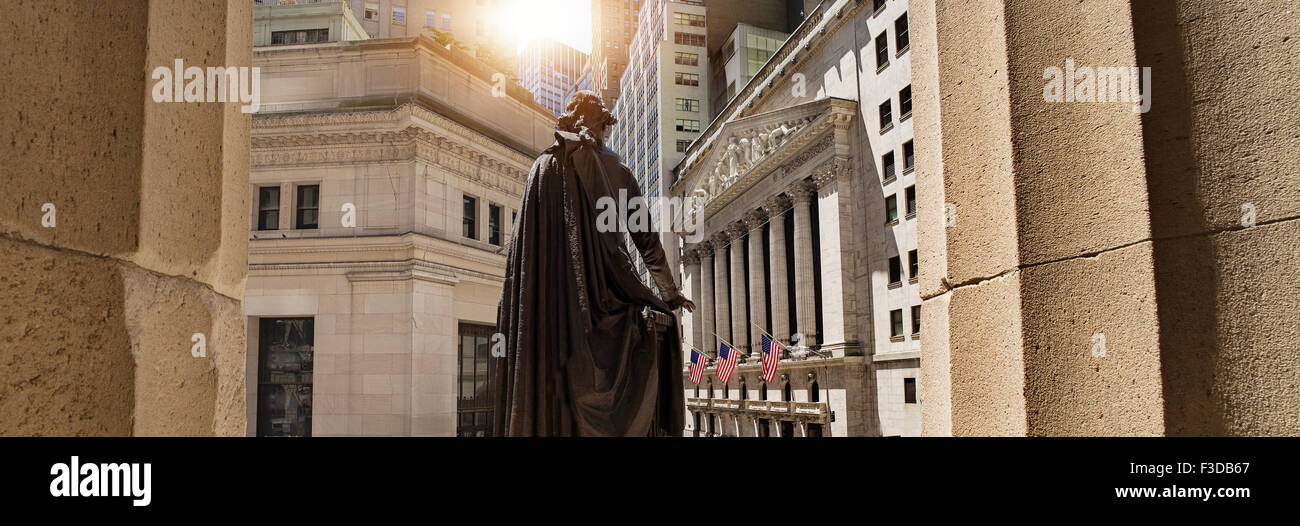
751	146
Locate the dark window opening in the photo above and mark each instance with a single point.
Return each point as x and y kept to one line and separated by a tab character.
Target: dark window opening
308	207
284	376
268	208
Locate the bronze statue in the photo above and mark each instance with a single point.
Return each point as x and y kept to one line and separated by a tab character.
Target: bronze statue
578	354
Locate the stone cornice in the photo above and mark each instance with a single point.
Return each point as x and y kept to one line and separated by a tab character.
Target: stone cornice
398	126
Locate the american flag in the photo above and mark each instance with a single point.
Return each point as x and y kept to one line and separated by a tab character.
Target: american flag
698	361
771	354
726	362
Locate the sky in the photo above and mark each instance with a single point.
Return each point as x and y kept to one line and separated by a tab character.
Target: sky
568	21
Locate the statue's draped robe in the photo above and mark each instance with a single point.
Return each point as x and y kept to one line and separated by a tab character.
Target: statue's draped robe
578	358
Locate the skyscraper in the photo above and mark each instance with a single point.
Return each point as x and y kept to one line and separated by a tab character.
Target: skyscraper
613	23
548	69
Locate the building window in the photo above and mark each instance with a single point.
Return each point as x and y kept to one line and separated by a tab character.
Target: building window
494	224
787	393
896	323
688	125
891	209
284	376
887	163
688	39
882	51
909	157
909	390
901	40
686	79
446	22
399	15
308	207
913	267
372	11
877	5
910	193
726	391
690	105
916	319
686	59
469	218
905	102
430	19
688	19
307	36
895	271
474	367
886	116
682	146
268	208
814	392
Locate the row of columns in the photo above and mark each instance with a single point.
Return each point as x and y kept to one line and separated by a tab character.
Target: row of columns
725	315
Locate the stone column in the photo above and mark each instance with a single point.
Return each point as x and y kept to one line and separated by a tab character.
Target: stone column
123	280
721	287
801	193
704	300
776	209
739	315
836	229
1123	281
691	260
757	272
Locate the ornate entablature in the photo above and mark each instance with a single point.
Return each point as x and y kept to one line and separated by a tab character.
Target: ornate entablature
363	137
744	152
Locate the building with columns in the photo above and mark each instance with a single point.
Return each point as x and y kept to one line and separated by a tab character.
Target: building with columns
385	174
803	192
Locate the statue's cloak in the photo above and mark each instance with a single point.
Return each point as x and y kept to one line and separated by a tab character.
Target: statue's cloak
579	359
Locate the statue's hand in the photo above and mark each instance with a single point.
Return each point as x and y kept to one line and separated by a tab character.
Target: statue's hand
679	301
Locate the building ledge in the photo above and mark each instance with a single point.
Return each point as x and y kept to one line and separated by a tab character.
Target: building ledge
896	356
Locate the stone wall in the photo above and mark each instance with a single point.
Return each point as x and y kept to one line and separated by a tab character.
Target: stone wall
1096	270
144	244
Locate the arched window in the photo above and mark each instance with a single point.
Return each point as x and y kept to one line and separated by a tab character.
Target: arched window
697	390
744	393
710	388
726	391
814	394
762	390
787	393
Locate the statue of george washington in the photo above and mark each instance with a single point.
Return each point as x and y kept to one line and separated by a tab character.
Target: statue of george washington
580	359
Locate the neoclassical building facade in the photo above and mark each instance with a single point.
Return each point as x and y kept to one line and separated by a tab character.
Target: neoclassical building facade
804	196
385	174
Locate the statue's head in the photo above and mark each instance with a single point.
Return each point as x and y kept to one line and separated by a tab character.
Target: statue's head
586	112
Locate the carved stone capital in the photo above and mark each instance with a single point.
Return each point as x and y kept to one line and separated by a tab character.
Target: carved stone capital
704	249
802	192
721	240
754	219
828	172
691	256
777	205
737	230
